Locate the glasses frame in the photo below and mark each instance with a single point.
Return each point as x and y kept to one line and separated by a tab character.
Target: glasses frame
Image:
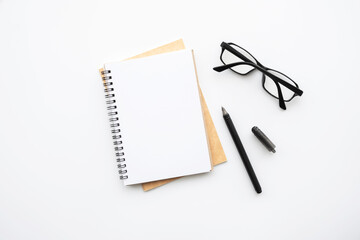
260	67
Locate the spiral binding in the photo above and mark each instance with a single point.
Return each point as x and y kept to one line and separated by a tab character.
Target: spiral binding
114	123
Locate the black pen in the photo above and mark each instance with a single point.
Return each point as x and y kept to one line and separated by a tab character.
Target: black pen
241	150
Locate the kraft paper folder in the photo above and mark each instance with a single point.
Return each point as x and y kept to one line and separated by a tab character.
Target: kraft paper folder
217	154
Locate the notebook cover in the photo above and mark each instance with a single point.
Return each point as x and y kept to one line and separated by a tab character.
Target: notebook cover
217	154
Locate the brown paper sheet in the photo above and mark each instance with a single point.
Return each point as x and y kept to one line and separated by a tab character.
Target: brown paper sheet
217	154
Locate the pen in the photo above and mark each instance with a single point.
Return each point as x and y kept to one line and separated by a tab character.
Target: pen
241	151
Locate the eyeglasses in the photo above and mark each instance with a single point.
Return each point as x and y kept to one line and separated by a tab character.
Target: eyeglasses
242	62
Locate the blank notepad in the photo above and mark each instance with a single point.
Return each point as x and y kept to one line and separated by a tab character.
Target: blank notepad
161	132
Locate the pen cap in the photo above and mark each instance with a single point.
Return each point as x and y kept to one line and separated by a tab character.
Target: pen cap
263	139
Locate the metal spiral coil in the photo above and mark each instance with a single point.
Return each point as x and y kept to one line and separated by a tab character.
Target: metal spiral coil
114	123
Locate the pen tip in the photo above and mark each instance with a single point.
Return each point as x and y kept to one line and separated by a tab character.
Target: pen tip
224	111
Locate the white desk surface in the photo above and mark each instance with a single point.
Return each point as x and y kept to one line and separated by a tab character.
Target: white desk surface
58	176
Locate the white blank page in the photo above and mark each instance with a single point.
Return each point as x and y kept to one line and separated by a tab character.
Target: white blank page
160	116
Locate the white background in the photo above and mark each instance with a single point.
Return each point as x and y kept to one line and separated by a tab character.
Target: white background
58	177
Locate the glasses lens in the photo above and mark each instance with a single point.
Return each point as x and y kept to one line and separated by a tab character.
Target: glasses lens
270	86
228	57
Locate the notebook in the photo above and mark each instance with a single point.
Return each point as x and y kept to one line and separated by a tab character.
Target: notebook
156	117
216	150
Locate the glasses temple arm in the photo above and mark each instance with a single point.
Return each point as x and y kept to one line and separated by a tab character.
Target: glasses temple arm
281	98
